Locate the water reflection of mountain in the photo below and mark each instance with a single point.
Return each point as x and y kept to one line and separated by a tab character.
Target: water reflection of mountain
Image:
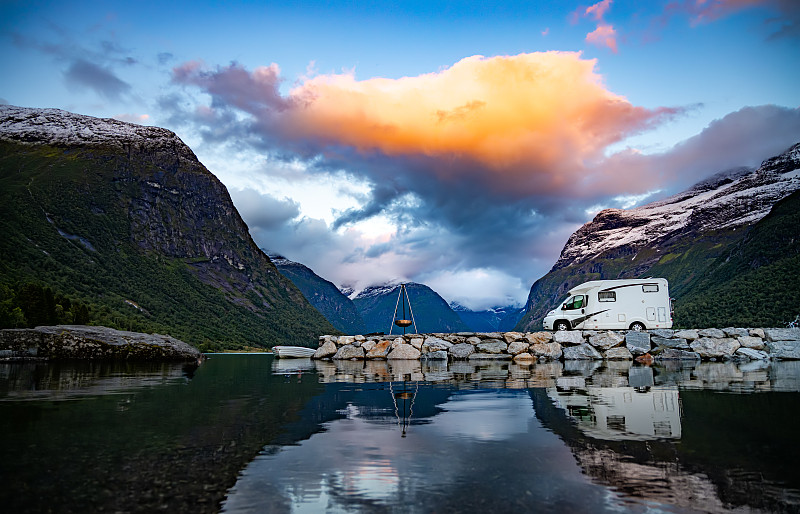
692	448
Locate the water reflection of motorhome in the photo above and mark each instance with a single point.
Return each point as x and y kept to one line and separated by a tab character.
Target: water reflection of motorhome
621	413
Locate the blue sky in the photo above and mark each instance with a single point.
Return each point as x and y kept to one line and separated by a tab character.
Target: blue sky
368	141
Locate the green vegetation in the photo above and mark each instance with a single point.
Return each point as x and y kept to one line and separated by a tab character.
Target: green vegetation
81	236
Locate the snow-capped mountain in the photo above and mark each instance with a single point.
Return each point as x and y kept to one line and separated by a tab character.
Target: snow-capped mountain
678	238
721	202
496	319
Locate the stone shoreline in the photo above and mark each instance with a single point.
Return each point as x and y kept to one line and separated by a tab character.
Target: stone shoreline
62	342
712	344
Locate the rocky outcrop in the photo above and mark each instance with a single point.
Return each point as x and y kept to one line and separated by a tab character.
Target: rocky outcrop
64	342
730	344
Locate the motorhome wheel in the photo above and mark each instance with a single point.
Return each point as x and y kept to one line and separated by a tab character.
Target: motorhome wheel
637	327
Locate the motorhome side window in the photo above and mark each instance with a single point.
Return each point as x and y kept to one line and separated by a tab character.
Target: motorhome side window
650	288
576	302
607	296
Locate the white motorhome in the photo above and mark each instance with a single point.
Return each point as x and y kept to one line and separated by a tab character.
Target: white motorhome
634	304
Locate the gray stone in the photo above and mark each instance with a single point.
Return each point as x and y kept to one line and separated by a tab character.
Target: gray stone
620	353
328	349
404	352
638	343
517	347
490	335
549	351
712	332
756	343
691	335
474	340
677	354
606	340
755	355
348	352
784	350
435	344
582	351
735	332
368	345
678	343
757	332
782	334
461	350
380	350
666	333
712	348
571	337
437	355
492	346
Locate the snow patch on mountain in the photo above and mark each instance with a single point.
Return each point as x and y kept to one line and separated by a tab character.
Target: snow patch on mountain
728	200
62	128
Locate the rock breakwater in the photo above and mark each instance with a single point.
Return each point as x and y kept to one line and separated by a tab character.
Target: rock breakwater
711	344
63	342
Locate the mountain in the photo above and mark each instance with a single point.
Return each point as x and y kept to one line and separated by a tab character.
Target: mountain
497	319
124	222
432	314
323	295
681	238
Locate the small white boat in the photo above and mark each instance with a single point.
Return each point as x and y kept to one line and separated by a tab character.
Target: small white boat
293	351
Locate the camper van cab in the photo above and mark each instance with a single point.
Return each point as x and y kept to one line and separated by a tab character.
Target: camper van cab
635	304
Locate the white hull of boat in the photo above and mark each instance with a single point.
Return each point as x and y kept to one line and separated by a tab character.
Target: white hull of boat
296	352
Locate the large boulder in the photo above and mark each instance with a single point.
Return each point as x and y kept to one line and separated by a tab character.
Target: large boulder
691	335
461	350
638	343
755	355
618	353
735	332
404	352
517	347
755	343
435	344
380	351
539	337
784	350
92	343
440	355
782	334
713	348
510	337
568	337
582	351
492	346
606	340
549	351
663	332
328	349
714	333
348	352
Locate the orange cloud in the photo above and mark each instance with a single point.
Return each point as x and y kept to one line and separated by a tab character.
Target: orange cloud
603	35
516	114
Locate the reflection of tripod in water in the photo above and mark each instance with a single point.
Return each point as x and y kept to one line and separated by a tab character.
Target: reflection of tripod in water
407	399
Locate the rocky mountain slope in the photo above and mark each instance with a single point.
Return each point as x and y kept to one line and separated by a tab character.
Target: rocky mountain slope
323	295
125	219
678	238
431	312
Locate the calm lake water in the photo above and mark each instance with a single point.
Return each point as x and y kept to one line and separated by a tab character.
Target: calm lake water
248	433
